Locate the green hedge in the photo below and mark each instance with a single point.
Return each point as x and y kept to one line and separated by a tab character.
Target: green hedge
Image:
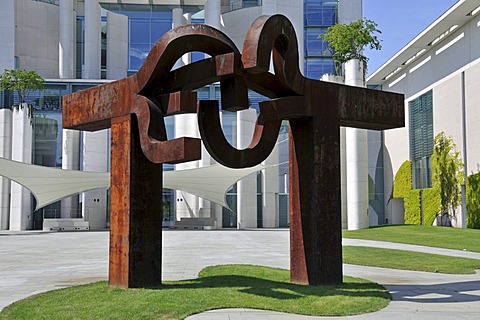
413	198
473	201
412	207
403	180
431	205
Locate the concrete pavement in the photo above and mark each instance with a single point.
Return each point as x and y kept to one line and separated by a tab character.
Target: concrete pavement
33	262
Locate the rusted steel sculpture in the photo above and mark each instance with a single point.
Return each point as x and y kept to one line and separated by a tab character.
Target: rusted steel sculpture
134	108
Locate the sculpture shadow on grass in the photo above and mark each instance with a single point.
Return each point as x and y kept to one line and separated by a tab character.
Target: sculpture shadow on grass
278	289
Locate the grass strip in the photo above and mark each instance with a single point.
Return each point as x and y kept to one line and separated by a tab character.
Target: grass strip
228	286
440	237
408	260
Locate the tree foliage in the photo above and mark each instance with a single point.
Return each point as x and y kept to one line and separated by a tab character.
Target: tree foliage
347	41
447	172
21	81
473	201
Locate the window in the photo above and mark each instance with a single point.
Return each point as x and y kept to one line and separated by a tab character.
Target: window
421	139
320	12
316	67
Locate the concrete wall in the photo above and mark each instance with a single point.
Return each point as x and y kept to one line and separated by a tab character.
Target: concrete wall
37	37
472	80
7	36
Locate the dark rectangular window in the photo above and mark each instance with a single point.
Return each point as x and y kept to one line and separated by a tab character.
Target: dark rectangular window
421	139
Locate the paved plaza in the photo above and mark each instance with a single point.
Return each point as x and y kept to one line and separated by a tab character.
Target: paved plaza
33	262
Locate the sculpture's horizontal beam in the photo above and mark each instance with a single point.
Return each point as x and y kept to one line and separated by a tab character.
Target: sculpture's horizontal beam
370	109
92	109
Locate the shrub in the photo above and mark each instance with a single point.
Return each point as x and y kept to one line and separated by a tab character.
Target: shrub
431	205
473	201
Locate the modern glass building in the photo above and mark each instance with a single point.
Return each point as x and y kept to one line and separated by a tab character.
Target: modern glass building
80	42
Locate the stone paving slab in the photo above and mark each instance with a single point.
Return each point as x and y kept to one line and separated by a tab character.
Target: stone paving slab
35	262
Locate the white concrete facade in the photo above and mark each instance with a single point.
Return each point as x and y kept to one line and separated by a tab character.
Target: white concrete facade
436	60
7	36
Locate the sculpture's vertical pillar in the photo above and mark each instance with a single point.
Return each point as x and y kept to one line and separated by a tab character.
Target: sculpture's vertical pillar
315	218
136	210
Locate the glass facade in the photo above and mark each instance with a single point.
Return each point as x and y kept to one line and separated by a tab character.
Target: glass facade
146	24
318	16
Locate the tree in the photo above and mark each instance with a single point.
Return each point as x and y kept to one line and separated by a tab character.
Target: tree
447	174
23	82
347	41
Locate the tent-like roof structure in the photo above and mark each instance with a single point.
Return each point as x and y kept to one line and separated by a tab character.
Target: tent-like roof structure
49	185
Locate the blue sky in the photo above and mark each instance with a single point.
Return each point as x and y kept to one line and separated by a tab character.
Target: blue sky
400	21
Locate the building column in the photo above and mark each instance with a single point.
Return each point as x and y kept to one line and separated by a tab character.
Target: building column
70	161
117	45
20	203
187	205
66	70
213	13
357	160
247	187
92	66
270	183
66	40
5	152
95	159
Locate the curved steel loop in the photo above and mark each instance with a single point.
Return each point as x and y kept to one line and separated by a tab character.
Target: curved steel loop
274	34
173	45
262	144
153	138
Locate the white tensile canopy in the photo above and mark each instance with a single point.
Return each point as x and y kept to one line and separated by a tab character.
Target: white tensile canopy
49	185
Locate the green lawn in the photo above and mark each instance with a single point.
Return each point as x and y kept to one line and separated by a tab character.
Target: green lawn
408	260
450	238
233	286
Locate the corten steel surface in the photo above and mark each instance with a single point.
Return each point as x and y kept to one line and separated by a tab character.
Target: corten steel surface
135	106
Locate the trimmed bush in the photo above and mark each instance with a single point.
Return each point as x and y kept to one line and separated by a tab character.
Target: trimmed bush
431	205
403	180
412	207
473	201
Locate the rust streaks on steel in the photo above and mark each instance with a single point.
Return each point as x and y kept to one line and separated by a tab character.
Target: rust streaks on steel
315	111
